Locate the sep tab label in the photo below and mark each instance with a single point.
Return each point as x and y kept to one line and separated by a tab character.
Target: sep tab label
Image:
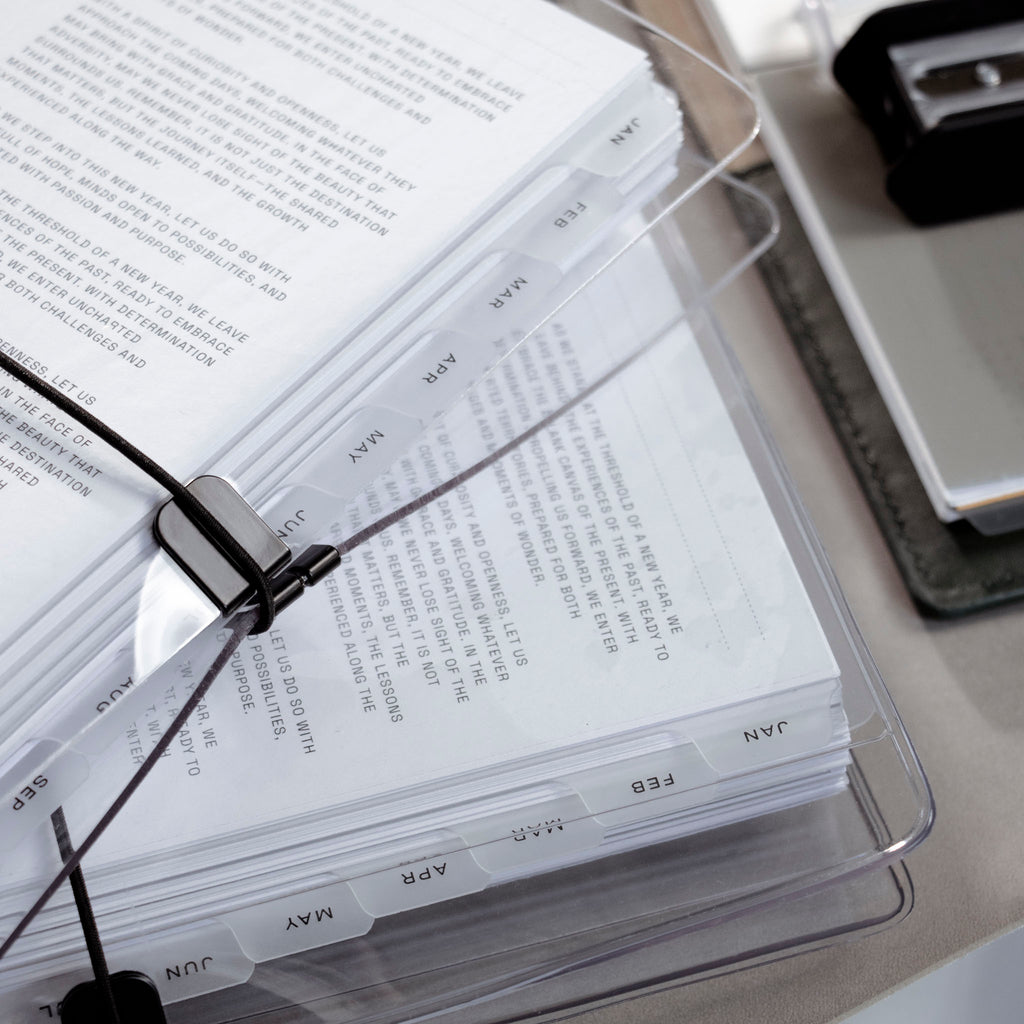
32	793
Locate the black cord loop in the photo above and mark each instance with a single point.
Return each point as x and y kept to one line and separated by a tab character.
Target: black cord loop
90	930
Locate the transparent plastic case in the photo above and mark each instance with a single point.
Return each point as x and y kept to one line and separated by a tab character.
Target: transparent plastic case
541	867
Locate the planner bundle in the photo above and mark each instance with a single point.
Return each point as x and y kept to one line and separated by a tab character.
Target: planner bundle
597	643
300	247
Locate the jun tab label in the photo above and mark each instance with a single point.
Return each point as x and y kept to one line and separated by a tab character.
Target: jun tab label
187	963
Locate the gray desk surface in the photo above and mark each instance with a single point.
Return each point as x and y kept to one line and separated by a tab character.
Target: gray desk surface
959	686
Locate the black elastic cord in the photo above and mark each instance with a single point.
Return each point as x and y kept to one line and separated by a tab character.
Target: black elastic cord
242	627
93	943
194	509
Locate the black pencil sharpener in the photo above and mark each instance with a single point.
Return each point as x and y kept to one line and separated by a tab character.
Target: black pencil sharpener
941	84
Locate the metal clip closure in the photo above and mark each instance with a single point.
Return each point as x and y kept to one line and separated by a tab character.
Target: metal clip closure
201	558
216	574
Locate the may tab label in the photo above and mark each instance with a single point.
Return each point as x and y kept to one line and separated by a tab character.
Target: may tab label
296	923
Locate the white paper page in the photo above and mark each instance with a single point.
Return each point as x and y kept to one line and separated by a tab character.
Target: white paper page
620	571
199	199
